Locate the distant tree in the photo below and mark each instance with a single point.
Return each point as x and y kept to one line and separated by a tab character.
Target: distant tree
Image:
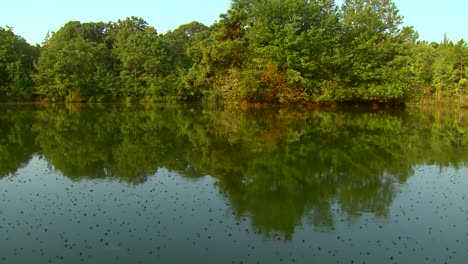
445	70
423	56
461	56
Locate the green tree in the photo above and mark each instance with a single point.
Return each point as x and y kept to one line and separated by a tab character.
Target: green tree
447	69
16	66
423	57
296	50
180	40
178	44
290	43
375	49
142	57
266	50
259	52
219	57
461	57
75	64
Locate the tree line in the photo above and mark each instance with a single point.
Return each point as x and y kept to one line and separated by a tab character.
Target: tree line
275	51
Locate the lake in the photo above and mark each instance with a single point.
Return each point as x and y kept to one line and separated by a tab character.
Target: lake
214	184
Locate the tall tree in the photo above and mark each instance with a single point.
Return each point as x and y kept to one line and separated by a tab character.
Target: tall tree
376	48
291	43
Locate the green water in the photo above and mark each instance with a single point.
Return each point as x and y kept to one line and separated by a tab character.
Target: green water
193	184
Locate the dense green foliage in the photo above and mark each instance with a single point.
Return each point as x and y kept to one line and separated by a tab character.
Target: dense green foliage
440	69
259	51
275	165
16	66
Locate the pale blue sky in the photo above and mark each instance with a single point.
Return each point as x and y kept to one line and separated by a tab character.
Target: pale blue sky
32	19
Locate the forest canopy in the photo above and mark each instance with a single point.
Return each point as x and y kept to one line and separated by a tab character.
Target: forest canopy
260	51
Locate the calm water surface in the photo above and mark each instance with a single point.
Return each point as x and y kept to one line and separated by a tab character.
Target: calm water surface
180	184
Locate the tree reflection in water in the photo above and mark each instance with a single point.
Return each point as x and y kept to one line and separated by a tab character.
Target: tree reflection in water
276	166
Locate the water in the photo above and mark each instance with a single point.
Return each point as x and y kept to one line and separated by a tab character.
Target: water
178	184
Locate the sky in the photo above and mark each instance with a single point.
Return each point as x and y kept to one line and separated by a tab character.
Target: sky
32	19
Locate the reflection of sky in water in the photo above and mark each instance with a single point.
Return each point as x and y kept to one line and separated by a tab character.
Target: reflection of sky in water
168	219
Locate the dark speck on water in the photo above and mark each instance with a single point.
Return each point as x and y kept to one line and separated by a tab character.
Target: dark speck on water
214	184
